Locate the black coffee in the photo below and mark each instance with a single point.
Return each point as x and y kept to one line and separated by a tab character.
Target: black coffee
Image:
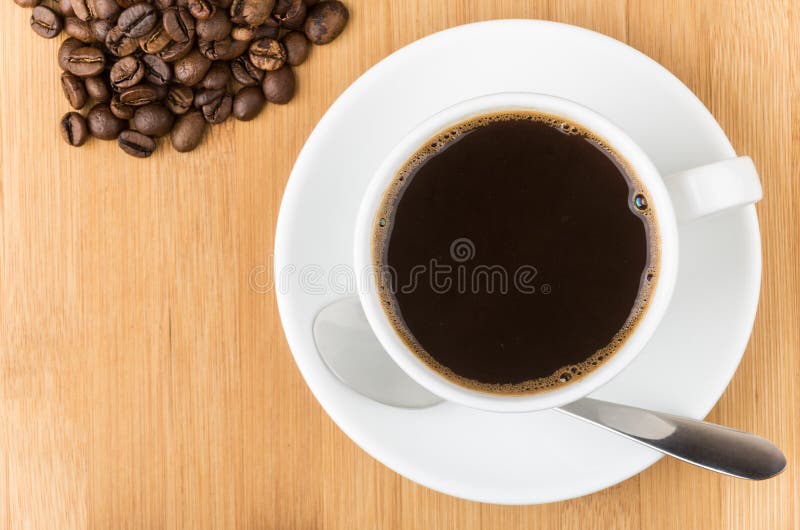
518	252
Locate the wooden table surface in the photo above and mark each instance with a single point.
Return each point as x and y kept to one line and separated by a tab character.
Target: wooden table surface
144	385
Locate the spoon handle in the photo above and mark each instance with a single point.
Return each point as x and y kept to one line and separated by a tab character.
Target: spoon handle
703	444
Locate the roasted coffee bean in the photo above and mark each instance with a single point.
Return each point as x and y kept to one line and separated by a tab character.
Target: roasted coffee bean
311	3
224	4
102	9
326	21
153	120
46	22
65	50
157	71
65	7
161	92
279	85
120	44
97	89
163	5
251	12
297	48
267	54
27	3
180	99
248	103
234	50
100	29
155	41
179	24
269	29
246	33
216	27
281	7
245	72
226	49
79	29
204	96
87	61
176	51
201	9
139	95
136	144
74	129
120	109
126	73
242	33
138	20
188	132
81	9
218	110
74	90
103	124
218	76
213	49
294	16
191	69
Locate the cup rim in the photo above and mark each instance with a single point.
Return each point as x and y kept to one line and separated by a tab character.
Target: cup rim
465	110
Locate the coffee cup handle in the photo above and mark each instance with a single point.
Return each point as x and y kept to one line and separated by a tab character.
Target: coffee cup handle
713	188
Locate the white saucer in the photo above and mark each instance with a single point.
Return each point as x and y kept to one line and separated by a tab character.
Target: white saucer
535	457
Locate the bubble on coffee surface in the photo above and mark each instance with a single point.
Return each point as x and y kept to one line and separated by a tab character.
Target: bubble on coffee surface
567	127
564	375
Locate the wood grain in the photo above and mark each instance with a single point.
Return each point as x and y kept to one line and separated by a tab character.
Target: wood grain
144	385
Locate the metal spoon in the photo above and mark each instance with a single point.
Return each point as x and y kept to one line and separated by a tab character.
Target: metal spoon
353	353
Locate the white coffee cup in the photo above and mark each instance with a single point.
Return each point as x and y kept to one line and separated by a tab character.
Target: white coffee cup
678	198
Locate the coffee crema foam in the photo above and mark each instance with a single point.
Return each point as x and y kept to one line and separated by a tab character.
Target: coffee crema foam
566	374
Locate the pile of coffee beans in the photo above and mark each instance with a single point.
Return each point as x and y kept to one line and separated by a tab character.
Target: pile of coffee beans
151	68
